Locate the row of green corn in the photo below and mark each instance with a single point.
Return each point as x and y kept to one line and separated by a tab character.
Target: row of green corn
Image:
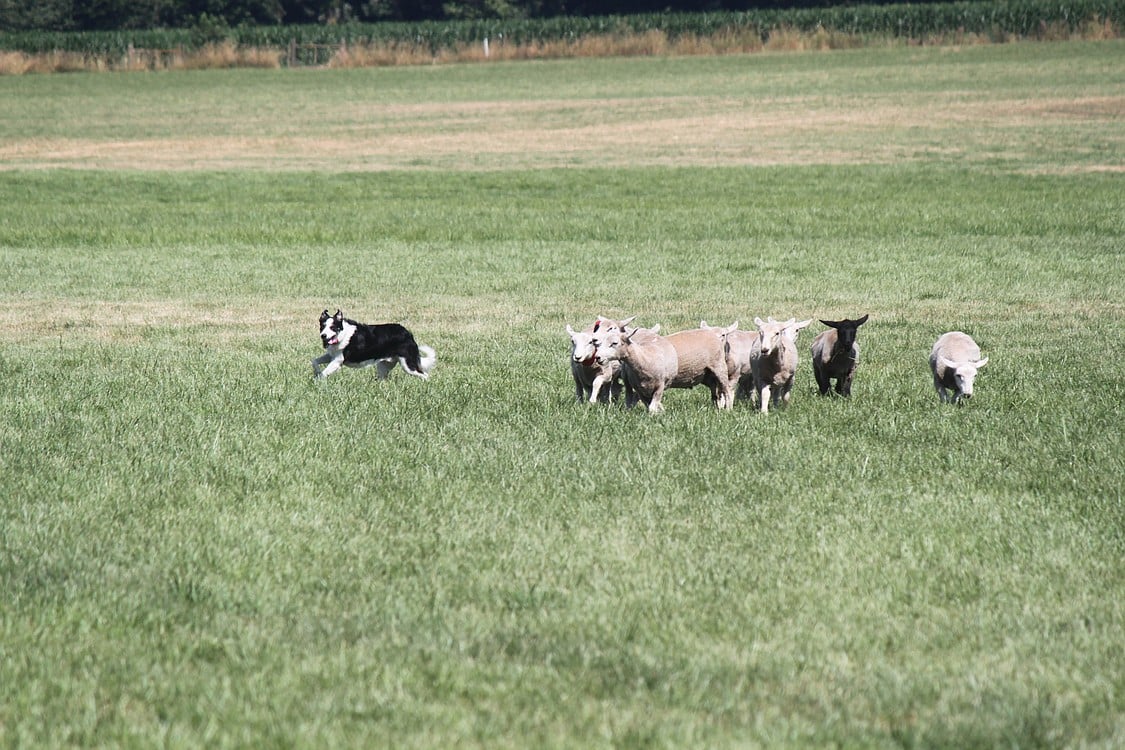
1019	18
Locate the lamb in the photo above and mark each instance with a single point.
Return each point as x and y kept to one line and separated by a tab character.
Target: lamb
773	360
835	355
652	363
954	361
589	376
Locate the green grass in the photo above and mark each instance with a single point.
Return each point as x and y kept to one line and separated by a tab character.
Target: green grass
204	547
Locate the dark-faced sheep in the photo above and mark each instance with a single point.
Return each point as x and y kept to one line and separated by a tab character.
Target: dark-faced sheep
835	354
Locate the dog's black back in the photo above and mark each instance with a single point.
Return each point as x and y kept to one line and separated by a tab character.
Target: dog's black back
377	341
381	341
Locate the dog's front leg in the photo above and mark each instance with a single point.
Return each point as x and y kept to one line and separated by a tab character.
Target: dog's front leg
332	367
323	359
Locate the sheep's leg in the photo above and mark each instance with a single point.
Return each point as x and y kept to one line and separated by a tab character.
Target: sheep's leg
844	384
615	388
764	398
596	389
941	392
579	388
822	381
726	394
632	395
745	389
654	404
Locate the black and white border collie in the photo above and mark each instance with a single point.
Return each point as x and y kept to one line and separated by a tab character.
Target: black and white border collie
351	344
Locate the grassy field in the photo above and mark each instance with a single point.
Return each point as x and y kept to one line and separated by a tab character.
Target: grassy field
203	547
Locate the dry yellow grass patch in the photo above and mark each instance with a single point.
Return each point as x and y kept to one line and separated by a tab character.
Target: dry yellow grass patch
128	321
688	131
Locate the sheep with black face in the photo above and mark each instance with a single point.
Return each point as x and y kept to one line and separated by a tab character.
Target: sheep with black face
835	355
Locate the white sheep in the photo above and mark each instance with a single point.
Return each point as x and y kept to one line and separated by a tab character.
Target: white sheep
589	376
738	344
652	363
954	362
773	360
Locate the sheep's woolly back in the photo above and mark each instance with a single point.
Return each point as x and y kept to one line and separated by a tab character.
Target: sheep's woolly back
956	346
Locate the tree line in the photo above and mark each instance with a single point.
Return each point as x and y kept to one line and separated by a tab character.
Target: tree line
114	15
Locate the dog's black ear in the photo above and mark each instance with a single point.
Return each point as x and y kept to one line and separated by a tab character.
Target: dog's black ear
324	316
339	315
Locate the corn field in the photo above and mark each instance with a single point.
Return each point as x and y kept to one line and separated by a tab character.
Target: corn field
988	18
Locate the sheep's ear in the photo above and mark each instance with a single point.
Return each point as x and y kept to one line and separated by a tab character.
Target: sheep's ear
982	363
655	328
570	330
732	327
759	322
947	363
861	321
628	320
831	323
703	325
770	319
801	326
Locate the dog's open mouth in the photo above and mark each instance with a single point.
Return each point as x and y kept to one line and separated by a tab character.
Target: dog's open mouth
333	341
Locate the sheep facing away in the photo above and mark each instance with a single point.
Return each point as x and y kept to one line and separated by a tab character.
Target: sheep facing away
835	355
773	360
954	362
652	363
589	376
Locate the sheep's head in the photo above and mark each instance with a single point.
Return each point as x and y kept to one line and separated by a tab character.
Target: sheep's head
769	334
845	330
792	328
721	331
602	324
582	346
964	373
609	343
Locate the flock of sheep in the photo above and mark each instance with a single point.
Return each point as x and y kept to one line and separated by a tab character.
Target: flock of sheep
611	354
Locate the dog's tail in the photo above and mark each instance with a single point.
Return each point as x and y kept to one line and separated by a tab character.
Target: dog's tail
429	358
